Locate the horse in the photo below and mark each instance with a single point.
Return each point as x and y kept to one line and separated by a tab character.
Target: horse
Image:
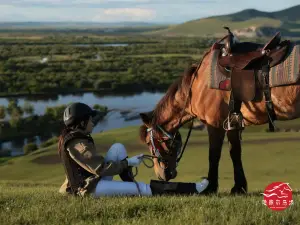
191	97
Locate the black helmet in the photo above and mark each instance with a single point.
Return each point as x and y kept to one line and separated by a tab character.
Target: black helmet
77	112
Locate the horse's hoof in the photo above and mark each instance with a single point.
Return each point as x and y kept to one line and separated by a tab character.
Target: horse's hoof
238	191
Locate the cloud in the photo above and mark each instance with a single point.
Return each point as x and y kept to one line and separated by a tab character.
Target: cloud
136	12
167	11
125	14
98	3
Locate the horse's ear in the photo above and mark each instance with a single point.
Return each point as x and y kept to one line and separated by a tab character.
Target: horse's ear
145	118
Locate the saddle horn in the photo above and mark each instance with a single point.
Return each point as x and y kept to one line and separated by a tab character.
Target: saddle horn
228	29
229	41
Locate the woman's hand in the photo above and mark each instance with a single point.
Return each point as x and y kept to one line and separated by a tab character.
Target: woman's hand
135	160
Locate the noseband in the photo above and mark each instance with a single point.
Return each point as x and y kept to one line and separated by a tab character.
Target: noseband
156	151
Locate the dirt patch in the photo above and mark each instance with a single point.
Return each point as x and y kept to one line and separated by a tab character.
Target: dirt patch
270	141
257	141
47	160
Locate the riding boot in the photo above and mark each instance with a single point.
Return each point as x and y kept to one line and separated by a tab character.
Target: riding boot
127	175
175	188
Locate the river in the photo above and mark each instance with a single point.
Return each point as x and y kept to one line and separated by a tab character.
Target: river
125	110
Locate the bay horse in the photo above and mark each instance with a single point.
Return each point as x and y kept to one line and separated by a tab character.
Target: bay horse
191	97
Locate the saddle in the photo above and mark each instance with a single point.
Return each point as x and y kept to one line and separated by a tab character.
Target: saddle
249	55
247	66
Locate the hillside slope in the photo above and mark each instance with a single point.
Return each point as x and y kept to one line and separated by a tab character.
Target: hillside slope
250	22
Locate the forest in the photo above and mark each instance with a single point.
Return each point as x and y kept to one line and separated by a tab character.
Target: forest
89	64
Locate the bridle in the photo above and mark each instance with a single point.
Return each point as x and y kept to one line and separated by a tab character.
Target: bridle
157	151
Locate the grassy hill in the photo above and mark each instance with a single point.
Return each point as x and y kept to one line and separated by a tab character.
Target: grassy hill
29	185
287	21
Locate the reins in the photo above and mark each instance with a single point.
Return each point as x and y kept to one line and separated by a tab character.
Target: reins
144	158
183	110
150	157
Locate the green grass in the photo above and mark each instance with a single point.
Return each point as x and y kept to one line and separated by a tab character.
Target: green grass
40	204
213	26
30	37
38	58
29	185
164	55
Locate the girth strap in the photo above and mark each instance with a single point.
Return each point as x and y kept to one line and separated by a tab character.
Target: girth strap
268	100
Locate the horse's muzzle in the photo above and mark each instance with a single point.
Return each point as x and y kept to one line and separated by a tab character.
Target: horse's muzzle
170	174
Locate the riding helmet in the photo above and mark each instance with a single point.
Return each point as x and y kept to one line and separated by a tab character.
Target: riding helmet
77	112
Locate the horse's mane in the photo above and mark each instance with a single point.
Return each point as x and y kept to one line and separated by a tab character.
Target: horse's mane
181	85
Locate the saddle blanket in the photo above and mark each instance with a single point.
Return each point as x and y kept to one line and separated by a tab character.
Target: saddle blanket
285	73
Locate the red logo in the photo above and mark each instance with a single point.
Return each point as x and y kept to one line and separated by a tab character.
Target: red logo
278	196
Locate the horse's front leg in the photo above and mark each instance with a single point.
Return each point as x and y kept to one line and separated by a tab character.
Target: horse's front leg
240	186
216	138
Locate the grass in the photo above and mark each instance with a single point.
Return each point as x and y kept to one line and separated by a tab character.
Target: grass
30	37
211	26
194	56
70	57
29	185
52	58
40	204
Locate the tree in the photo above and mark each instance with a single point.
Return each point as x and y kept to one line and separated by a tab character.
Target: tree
2	112
30	147
13	109
28	108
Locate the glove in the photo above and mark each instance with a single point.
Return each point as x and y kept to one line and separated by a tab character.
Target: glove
135	160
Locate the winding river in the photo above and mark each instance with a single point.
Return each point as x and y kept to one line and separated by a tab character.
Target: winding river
124	112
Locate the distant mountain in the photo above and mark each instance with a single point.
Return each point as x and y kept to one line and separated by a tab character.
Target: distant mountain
290	14
249	22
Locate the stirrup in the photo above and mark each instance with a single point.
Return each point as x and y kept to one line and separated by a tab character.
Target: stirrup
234	121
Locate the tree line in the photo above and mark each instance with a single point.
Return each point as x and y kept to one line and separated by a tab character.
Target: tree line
21	125
95	68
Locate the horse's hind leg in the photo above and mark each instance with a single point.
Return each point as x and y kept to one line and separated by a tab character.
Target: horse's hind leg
240	186
216	138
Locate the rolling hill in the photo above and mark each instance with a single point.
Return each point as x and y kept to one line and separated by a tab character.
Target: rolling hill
250	23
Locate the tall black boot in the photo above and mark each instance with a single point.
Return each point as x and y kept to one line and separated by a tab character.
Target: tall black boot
172	188
127	175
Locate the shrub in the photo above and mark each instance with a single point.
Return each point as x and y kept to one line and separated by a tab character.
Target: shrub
49	142
30	147
5	153
100	107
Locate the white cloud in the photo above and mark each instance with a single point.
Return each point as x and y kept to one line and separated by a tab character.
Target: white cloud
124	14
136	12
171	11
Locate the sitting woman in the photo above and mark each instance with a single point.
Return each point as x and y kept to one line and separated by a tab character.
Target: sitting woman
87	172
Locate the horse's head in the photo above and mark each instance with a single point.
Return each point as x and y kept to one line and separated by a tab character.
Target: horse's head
165	146
160	128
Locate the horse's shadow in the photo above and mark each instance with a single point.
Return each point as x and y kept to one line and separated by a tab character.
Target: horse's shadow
249	194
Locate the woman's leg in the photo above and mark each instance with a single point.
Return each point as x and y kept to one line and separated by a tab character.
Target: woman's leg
116	153
119	188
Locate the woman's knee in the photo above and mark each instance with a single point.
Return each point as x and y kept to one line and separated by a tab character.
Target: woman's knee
117	152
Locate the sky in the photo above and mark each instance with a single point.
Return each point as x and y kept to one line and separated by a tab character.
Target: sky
155	11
